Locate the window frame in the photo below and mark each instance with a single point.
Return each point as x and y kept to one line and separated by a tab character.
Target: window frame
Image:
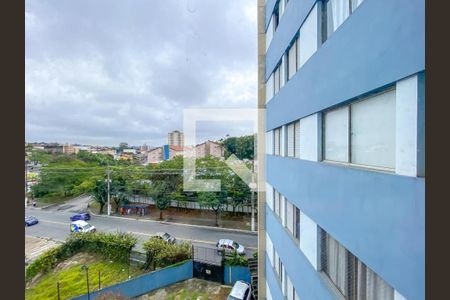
349	105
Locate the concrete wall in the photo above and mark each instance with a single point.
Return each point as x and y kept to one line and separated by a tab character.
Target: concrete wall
148	282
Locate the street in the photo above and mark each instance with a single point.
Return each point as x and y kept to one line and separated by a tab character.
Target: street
54	224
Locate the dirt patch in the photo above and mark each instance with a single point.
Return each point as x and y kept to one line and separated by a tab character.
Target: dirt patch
35	246
78	259
209	290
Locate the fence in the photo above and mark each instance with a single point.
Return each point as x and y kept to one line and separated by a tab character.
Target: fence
146	283
246	208
235	273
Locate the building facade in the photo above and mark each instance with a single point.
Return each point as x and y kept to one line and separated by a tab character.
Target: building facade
343	84
175	138
209	148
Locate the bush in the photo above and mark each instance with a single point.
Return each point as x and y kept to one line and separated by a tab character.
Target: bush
162	254
255	255
114	246
235	259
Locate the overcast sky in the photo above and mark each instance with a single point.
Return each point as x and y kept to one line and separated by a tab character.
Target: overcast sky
105	72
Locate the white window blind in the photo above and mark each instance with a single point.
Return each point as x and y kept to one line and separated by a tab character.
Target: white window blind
373	131
336	263
283	70
336	134
277	141
297	139
290	289
277	79
337	12
355	4
290	217
269	32
297	43
292	60
291	140
277	199
270	88
370	286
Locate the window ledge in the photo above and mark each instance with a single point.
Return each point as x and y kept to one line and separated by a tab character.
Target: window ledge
360	167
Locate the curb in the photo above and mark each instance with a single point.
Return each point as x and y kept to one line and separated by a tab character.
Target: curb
179	224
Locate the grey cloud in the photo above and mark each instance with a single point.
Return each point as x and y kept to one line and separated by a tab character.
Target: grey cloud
112	71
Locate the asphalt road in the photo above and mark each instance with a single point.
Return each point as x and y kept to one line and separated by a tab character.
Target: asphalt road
54	223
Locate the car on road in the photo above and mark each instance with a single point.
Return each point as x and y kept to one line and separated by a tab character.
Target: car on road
241	291
228	246
167	237
31	220
81	226
81	216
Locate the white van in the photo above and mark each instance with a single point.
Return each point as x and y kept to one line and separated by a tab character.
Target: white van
241	291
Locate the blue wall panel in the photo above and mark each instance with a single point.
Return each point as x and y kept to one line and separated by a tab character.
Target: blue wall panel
272	281
235	273
379	217
306	280
148	282
381	42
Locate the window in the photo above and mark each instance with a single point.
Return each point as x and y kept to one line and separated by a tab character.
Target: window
337	134
293	139
277	141
270	88
277	202
292	60
277	79
351	277
335	12
297	223
362	133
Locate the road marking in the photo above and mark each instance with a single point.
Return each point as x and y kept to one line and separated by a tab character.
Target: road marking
54	222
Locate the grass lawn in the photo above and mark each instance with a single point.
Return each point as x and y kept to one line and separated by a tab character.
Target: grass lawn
187	294
72	279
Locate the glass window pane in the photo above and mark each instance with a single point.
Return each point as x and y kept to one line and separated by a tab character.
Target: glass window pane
292	58
373	131
277	79
297	139
290	139
269	33
269	88
336	135
355	4
277	144
337	12
297	43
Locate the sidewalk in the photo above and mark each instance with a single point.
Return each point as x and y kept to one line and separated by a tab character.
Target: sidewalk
226	220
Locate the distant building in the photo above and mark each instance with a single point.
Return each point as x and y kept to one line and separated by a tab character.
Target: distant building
69	149
209	148
53	148
129	151
175	138
155	155
175	151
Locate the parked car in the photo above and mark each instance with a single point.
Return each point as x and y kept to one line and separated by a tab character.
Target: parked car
241	291
81	226
81	216
30	220
225	245
165	237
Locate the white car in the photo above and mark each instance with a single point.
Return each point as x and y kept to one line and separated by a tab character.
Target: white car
167	237
229	246
81	226
241	291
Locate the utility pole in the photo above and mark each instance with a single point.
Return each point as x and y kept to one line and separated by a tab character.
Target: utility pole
108	171
86	269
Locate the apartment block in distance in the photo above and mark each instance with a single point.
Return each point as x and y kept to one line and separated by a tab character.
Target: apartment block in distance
175	138
344	89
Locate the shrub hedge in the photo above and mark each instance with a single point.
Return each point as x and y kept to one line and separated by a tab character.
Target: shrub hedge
114	246
235	259
161	254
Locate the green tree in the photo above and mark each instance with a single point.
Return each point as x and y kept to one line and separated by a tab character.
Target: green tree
243	147
214	201
122	146
100	194
161	196
119	191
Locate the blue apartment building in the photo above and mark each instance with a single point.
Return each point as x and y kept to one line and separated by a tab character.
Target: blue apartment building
344	214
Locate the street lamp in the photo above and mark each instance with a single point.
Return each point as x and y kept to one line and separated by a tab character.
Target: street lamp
86	269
